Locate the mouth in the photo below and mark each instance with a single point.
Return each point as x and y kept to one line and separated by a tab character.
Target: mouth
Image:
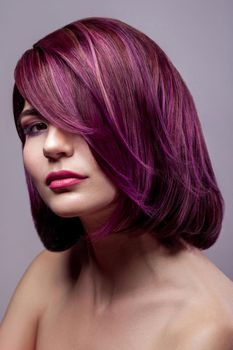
63	178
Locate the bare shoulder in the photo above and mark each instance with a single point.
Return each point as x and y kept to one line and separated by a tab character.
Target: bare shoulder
212	335
205	320
28	302
206	324
28	283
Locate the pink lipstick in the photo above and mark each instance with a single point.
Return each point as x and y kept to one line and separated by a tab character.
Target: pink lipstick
63	178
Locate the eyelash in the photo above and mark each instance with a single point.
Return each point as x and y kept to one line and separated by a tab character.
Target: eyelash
27	129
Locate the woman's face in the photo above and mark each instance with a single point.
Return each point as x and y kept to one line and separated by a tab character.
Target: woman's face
49	149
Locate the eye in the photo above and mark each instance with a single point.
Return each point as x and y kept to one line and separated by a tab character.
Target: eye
34	128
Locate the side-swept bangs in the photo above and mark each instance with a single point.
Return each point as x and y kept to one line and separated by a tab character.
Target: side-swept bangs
104	80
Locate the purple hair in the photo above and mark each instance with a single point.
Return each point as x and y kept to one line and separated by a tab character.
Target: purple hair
109	82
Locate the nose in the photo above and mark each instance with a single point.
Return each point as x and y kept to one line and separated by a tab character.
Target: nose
58	143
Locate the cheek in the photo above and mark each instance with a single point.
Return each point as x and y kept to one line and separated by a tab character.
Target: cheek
26	158
105	189
30	160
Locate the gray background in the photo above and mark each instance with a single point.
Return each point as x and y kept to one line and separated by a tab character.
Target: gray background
196	35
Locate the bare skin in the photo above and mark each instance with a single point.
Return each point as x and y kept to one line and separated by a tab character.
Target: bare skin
131	294
126	293
121	292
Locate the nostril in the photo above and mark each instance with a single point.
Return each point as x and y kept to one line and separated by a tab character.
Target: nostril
53	155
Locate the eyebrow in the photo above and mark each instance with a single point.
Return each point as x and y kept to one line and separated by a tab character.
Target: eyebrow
29	111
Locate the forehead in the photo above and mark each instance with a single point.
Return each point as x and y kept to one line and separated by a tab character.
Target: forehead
26	105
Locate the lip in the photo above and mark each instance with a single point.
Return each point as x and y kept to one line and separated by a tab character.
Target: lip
63	178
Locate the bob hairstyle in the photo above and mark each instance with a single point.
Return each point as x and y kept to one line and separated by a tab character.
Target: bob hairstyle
104	80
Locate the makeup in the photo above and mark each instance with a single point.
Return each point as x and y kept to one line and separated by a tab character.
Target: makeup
63	178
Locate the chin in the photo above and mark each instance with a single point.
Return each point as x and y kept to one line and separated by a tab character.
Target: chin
75	205
88	212
67	213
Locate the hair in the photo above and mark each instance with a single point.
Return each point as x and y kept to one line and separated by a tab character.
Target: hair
105	80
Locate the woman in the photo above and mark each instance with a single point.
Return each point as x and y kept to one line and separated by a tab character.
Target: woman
123	197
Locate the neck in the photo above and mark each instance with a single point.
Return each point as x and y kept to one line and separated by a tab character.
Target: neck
121	265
